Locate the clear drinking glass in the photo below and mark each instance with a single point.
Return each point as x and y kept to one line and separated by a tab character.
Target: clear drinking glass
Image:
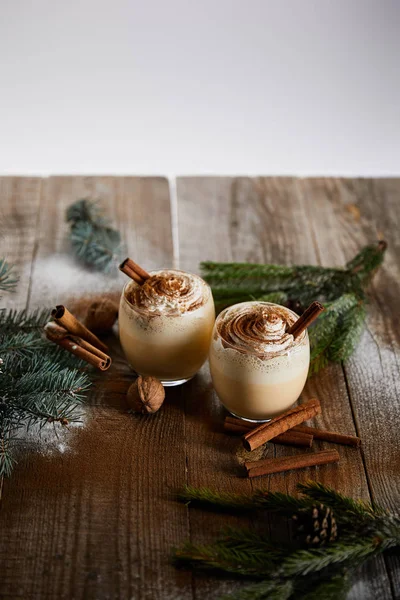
163	339
257	369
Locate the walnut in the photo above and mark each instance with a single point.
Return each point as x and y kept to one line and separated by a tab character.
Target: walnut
146	395
101	315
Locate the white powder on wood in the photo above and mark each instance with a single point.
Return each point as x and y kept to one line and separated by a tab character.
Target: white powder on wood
59	278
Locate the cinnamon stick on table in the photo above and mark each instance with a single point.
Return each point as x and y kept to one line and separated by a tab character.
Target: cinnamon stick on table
308	316
76	346
293	438
329	436
134	271
289	438
63	317
265	432
258	468
234	425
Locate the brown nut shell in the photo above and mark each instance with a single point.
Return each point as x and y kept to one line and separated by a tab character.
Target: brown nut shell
146	395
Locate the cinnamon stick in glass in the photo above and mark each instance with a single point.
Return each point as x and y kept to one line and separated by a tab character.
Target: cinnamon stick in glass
134	271
308	316
63	317
266	431
267	466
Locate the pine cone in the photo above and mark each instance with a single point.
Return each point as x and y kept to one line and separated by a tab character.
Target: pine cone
316	527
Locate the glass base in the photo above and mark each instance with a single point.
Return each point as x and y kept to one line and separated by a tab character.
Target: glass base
175	382
249	420
169	382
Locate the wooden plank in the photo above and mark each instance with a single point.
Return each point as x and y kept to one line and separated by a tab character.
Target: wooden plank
259	220
98	520
138	206
359	212
19	208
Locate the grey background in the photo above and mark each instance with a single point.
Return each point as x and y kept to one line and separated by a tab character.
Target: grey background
186	87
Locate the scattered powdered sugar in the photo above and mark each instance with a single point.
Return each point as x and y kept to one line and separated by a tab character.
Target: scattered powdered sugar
50	439
59	277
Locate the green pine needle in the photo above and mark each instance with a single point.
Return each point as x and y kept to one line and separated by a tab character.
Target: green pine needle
287	570
272	501
304	562
39	382
249	540
217	500
335	588
92	238
265	590
8	281
280	503
340	504
217	557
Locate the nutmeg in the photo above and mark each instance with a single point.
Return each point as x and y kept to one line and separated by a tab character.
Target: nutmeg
146	395
101	315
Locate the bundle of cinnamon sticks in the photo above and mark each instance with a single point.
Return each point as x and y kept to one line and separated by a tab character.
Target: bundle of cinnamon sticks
69	333
288	429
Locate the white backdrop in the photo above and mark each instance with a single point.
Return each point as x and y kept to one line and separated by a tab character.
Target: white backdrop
211	86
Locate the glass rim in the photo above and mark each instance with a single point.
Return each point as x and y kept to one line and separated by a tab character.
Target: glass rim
159	314
294	348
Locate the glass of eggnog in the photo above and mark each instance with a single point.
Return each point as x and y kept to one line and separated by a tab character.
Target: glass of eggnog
165	325
258	369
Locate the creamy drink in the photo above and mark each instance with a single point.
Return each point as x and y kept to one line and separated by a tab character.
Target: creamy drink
258	369
165	325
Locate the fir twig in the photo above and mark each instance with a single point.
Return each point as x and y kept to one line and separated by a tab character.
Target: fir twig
217	500
344	505
272	501
264	590
295	572
218	557
8	281
93	240
39	382
335	588
304	562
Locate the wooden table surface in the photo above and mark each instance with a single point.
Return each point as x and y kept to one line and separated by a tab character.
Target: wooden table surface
99	520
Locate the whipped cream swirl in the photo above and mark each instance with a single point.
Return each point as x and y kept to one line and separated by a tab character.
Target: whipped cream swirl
169	292
257	328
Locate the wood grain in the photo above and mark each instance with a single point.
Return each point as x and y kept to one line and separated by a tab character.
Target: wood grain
99	520
360	212
268	220
19	209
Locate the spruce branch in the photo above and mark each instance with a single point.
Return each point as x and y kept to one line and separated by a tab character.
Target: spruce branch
365	531
207	498
8	281
13	321
347	507
93	239
264	590
250	540
304	562
335	588
217	557
282	504
272	501
39	382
